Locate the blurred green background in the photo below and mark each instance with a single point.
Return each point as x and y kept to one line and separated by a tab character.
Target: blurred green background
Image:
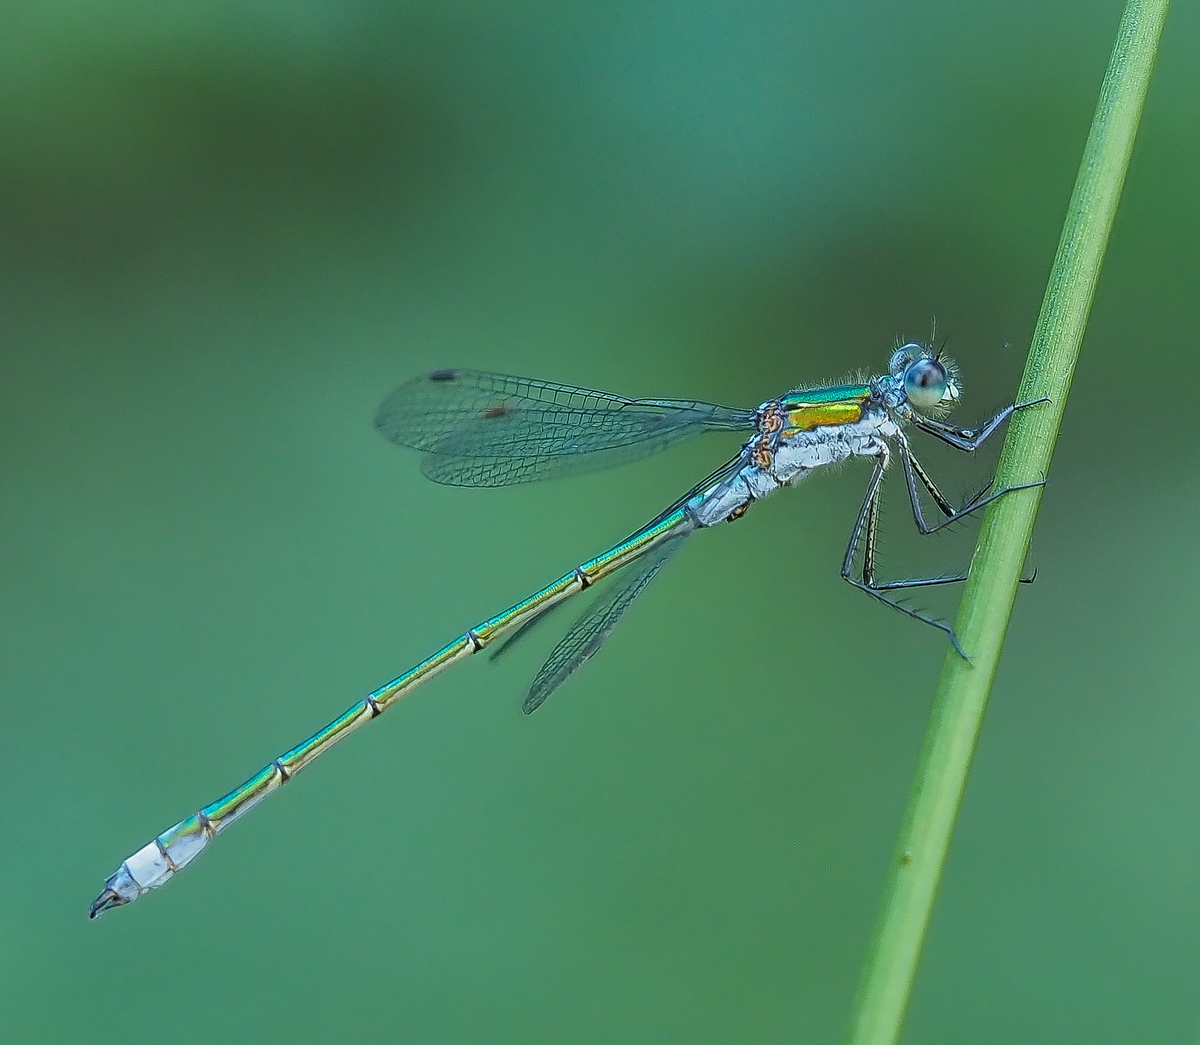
228	230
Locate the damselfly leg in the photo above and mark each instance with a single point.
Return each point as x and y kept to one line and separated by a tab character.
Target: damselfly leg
966	438
866	525
865	533
913	471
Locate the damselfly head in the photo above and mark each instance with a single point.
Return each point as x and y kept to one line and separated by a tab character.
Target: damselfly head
929	379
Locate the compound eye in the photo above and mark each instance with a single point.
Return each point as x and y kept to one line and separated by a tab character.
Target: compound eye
925	383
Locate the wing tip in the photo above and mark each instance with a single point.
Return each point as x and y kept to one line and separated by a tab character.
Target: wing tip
393	411
533	701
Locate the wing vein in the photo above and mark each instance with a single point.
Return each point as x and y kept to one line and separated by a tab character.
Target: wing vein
587	634
482	429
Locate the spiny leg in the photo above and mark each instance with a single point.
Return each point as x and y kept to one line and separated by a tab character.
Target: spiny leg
864	532
966	438
870	532
913	470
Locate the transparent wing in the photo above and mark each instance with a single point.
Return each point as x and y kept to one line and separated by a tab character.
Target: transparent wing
588	633
481	429
717	476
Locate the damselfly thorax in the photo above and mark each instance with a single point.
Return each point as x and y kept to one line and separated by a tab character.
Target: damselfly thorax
797	435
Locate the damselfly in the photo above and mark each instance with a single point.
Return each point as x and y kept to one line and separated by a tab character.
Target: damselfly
480	429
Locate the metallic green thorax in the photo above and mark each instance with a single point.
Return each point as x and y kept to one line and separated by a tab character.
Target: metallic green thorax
807	410
821	396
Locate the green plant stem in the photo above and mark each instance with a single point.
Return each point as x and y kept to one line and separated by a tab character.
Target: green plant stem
999	556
